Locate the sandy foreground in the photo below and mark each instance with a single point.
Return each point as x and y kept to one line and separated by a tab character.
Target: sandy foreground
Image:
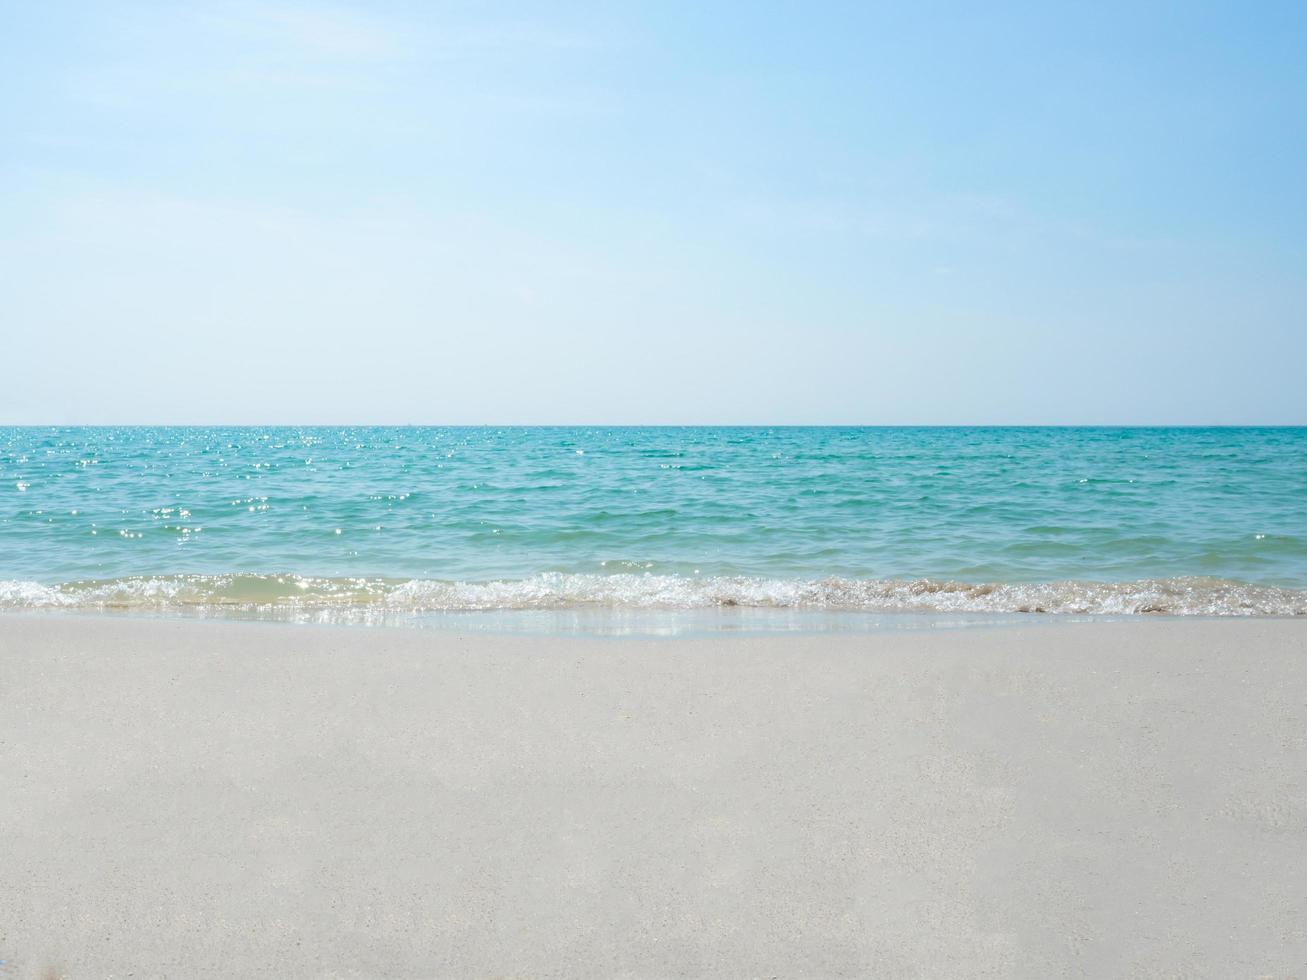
192	799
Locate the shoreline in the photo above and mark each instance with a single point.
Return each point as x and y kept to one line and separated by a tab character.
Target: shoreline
344	599
634	624
215	799
638	625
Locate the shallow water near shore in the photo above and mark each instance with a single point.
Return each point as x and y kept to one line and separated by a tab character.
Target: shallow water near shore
375	524
599	623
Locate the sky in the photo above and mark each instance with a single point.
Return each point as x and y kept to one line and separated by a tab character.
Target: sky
726	213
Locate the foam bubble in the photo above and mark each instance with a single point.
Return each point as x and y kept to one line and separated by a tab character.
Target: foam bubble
277	594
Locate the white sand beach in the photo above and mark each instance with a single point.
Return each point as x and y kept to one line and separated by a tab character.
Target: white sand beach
204	799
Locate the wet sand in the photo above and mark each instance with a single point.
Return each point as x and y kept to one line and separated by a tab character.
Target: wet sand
199	799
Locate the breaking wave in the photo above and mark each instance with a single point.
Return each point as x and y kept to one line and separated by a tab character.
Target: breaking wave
275	596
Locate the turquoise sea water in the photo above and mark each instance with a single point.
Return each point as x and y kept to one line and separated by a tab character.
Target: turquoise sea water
278	520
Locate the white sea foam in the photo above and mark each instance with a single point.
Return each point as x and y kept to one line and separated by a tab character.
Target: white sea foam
277	595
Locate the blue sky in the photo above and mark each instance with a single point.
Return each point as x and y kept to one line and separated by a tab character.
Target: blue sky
639	213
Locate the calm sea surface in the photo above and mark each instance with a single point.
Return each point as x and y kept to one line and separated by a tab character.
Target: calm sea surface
885	519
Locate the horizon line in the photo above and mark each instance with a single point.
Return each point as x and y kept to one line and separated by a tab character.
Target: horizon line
656	425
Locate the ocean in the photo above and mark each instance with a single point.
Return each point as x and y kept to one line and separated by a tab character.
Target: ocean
344	524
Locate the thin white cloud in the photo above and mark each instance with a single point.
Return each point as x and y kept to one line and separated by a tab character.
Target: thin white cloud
311	31
359	33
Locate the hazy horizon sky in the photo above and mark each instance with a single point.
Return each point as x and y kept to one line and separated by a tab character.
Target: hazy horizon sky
653	213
